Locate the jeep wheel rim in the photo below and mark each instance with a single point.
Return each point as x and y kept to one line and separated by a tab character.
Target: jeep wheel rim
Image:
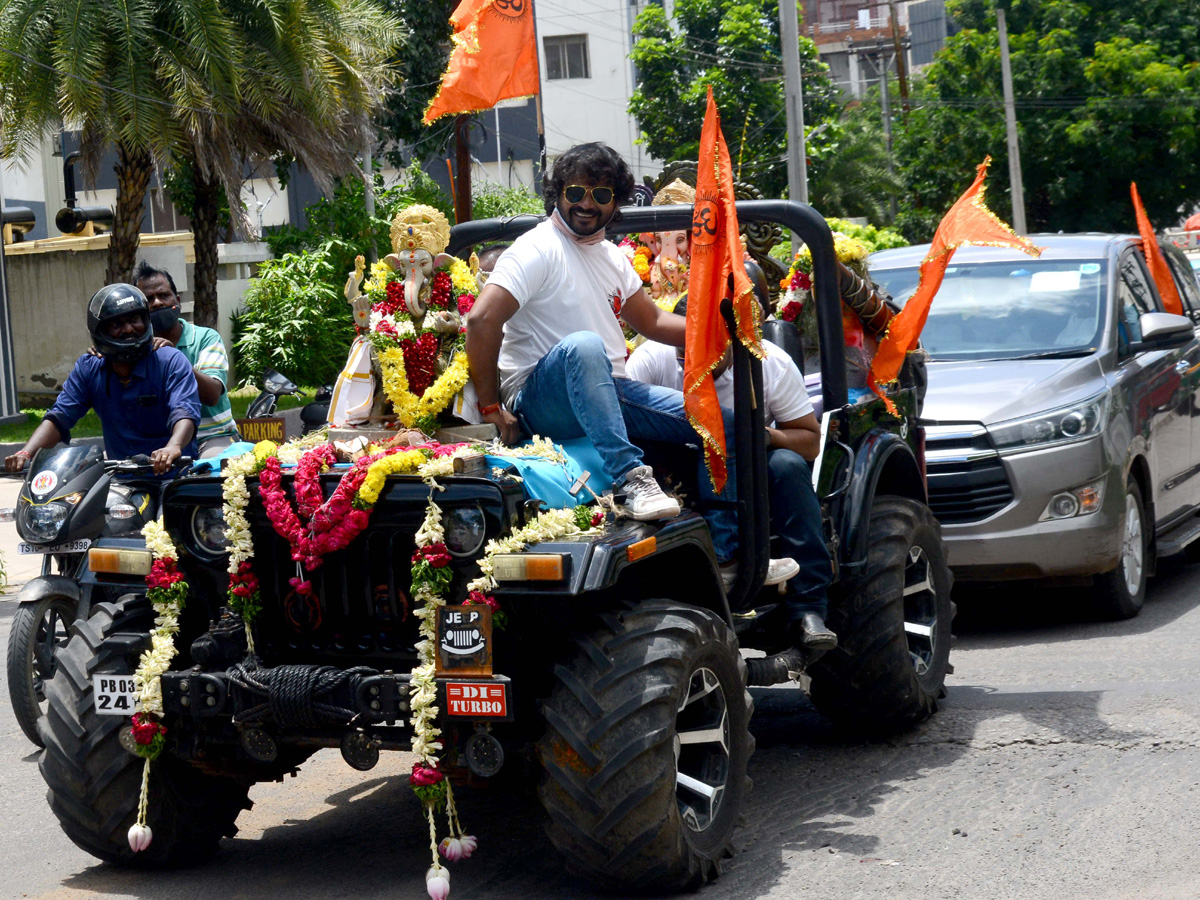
920	610
701	750
1133	547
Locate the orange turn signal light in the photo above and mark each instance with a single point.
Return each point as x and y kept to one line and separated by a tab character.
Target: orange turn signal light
108	561
527	567
642	548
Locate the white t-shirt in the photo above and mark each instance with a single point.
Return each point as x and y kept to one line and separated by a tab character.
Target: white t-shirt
785	398
562	287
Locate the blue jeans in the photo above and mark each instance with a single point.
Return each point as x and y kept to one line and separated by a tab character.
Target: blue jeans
796	521
571	393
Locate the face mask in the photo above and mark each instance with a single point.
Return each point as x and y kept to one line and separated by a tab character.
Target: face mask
163	320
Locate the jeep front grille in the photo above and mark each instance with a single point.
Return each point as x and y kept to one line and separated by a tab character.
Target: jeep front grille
967	480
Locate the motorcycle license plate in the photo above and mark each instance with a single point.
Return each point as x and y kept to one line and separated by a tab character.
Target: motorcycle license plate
67	547
114	695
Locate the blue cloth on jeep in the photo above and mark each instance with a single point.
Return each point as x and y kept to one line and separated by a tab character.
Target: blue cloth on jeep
213	463
551	482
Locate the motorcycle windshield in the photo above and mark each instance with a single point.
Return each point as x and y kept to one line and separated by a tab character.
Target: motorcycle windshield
62	464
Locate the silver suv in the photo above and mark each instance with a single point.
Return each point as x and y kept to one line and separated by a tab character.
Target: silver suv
1063	412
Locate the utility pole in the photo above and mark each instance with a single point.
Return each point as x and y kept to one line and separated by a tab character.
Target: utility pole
368	196
885	100
462	170
10	409
901	66
797	163
1010	128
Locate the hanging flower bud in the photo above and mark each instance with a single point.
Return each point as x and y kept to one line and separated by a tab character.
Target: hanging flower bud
451	849
469	845
437	882
140	837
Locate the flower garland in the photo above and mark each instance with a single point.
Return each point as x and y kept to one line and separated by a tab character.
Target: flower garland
797	285
412	408
167	592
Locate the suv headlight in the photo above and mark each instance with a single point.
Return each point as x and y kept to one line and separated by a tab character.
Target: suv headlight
43	523
1058	426
208	530
465	530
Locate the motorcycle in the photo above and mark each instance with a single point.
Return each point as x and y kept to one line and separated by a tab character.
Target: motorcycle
71	497
276	385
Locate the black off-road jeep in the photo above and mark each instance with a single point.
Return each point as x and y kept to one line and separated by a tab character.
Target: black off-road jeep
622	680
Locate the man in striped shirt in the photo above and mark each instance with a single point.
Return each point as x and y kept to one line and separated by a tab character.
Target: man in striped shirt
204	350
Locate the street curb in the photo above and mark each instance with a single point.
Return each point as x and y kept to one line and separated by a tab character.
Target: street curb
9	449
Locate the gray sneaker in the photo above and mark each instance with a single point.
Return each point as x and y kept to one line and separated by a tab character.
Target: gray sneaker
644	498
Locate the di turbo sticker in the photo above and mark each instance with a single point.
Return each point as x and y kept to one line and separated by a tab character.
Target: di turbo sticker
44	482
476	700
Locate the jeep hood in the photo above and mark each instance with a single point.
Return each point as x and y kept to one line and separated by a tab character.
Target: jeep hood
998	390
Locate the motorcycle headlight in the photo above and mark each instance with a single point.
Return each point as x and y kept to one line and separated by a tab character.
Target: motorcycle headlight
1058	426
43	523
465	530
208	530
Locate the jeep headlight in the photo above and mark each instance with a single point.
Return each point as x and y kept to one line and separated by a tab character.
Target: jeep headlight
465	530
43	523
1058	426
208	530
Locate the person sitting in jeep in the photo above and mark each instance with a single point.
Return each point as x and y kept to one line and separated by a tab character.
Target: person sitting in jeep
793	440
548	354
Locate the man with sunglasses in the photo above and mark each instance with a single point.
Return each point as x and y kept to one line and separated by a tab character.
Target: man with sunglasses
548	354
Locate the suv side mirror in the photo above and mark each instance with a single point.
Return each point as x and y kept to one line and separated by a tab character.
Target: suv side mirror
1163	331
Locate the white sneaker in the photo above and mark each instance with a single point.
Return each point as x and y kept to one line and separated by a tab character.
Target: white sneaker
778	571
644	498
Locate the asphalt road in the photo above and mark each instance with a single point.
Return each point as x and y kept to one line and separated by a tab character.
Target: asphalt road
1063	764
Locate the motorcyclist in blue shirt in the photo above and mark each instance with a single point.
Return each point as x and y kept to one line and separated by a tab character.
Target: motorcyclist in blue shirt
147	399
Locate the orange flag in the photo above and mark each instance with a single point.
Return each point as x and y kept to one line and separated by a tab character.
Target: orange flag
969	222
494	57
716	254
1154	257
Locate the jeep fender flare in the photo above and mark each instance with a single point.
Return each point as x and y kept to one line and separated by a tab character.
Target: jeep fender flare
883	464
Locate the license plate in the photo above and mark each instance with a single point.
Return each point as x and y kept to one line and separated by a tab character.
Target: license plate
67	547
476	699
114	695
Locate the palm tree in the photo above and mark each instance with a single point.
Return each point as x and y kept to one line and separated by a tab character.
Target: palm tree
220	83
309	73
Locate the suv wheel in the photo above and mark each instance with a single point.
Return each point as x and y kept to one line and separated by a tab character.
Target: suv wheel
893	626
646	748
1122	592
94	782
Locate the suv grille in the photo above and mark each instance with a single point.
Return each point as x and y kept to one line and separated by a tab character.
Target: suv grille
967	480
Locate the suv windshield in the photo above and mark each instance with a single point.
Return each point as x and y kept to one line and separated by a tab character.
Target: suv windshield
1010	310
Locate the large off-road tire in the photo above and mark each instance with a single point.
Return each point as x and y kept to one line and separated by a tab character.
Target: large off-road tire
1121	593
646	748
94	782
39	630
893	626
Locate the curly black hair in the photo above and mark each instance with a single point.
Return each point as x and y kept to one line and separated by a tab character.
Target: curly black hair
597	161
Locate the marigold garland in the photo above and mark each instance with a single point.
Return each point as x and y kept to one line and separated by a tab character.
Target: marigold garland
408	406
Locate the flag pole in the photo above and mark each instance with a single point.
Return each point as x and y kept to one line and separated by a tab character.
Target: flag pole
541	124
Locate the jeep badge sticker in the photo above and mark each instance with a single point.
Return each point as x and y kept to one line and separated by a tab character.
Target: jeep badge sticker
464	640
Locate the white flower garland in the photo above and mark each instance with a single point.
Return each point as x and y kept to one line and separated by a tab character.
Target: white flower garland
147	677
550	525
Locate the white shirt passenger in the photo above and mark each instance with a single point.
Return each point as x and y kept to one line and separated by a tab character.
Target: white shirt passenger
561	287
785	398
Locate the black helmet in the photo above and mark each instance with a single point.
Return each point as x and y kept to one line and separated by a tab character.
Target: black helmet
113	302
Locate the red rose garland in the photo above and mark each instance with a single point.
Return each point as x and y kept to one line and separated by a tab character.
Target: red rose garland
439	292
420	360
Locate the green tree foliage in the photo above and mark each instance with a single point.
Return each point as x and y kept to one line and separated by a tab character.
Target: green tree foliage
492	201
734	46
853	177
296	319
1106	93
420	62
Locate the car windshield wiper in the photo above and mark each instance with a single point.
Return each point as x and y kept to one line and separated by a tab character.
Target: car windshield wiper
1058	354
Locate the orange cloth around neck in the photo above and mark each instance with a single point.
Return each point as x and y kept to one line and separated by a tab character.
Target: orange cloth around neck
969	222
716	255
1155	260
494	57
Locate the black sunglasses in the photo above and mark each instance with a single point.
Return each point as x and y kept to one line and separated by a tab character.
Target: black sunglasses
574	193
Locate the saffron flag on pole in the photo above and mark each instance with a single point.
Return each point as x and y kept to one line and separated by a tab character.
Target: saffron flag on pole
969	222
716	255
494	57
1154	257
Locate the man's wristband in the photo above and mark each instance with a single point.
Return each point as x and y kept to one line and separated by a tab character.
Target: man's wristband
489	409
25	453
